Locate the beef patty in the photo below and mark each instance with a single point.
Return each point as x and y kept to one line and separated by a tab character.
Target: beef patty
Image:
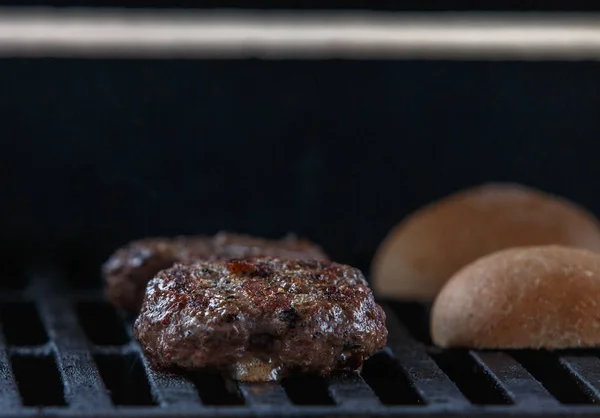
259	319
130	268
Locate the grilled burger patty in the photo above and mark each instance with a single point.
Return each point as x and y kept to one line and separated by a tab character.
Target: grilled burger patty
130	268
259	319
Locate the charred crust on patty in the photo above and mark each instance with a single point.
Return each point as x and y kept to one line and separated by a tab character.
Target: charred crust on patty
131	267
247	323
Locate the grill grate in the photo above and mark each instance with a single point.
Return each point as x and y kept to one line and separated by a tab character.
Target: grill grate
68	353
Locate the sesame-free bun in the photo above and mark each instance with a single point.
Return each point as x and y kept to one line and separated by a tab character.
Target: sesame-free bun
421	253
528	297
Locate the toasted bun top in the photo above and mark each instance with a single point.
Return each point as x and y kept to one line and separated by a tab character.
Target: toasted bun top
422	252
532	297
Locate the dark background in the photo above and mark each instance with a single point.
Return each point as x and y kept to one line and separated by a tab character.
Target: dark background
95	153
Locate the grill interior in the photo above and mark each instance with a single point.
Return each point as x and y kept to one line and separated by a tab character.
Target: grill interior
66	352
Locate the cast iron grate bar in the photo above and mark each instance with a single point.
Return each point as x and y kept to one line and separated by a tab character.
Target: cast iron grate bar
83	387
352	391
115	350
168	389
545	367
171	390
387	380
471	379
264	394
586	372
430	382
513	379
9	394
45	350
79	353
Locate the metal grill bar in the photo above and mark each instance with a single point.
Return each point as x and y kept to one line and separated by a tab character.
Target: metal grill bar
352	391
33	351
430	382
115	350
9	395
61	324
586	371
168	390
83	386
363	35
264	394
516	382
408	362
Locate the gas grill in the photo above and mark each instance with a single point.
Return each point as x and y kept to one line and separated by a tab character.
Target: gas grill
125	137
66	352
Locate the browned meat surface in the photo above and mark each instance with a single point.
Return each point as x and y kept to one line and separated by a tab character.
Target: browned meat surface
259	319
130	268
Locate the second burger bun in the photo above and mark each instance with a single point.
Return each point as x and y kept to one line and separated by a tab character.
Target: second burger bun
421	253
533	297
